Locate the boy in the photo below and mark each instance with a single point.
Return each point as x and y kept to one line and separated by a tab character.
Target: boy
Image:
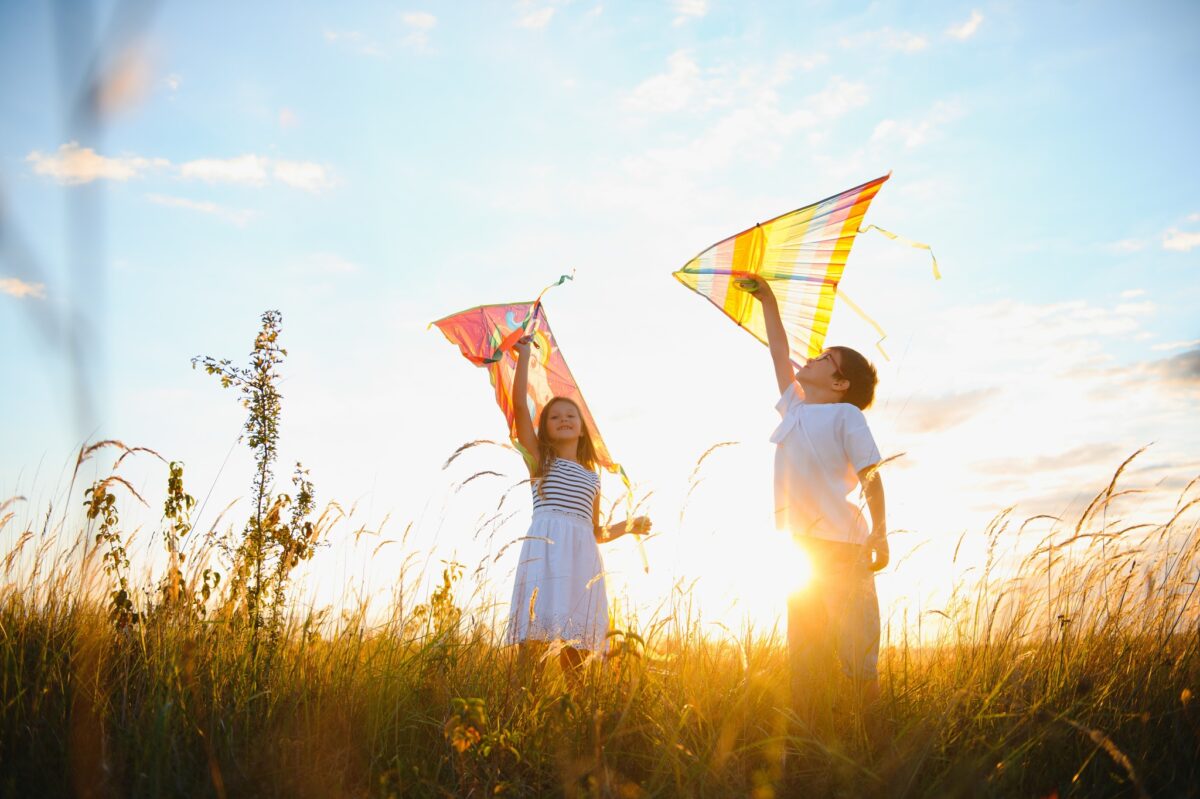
824	450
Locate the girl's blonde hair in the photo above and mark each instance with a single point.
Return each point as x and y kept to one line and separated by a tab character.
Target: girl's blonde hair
585	450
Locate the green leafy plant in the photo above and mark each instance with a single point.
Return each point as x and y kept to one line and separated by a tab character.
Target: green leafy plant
271	545
101	506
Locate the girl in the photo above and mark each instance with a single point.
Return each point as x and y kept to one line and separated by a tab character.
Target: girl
559	592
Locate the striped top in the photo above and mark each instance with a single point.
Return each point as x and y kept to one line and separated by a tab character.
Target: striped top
567	487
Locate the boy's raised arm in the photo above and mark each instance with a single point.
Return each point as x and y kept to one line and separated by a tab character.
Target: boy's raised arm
776	336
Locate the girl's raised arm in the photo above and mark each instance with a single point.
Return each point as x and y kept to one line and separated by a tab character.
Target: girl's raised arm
776	336
526	435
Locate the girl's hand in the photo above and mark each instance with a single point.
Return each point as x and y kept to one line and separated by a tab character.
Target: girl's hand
522	345
638	525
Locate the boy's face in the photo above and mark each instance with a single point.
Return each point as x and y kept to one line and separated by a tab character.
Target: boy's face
824	371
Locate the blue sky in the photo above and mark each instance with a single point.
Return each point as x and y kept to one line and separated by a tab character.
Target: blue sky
369	167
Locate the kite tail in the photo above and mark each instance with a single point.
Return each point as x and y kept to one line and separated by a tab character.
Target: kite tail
937	275
629	514
523	329
561	279
526	326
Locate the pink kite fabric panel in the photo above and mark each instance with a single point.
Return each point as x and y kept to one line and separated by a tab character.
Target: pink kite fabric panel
800	254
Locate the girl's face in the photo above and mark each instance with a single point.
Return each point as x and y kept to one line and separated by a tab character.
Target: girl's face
563	422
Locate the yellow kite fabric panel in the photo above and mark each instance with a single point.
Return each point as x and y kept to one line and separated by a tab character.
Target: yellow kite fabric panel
800	254
486	335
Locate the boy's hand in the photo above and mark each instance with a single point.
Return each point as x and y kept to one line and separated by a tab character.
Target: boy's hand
522	345
757	288
878	554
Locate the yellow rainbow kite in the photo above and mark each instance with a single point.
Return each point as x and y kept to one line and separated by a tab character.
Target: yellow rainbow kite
800	254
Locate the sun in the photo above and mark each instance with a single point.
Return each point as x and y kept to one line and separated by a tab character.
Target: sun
785	564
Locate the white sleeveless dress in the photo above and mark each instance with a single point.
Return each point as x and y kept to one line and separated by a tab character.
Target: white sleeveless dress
559	591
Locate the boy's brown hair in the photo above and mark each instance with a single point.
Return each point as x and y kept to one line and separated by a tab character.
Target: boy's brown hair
861	375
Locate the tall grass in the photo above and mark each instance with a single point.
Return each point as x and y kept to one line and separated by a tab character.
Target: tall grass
1070	672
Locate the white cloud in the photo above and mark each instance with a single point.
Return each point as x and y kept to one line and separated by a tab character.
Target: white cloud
236	216
15	287
685	84
356	41
1167	346
419	20
536	20
333	263
418	24
302	175
1180	240
915	132
886	39
250	170
1129	294
73	165
966	30
1136	308
1193	218
669	91
686	10
1125	246
756	127
173	81
1062	369
812	61
288	118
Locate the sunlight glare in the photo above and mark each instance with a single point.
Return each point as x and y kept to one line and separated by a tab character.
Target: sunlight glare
785	564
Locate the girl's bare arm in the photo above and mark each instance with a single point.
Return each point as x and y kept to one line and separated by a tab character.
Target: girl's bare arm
526	435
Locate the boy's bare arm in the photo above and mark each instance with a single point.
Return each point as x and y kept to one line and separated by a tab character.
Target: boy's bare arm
776	336
877	543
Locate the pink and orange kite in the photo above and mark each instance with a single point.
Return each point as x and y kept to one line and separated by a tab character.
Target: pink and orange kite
486	334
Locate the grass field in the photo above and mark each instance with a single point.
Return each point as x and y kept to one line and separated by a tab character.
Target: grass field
1075	674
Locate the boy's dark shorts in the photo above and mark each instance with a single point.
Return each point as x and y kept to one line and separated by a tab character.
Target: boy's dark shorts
837	610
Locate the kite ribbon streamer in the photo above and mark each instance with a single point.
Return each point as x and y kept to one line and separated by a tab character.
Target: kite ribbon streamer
863	316
915	244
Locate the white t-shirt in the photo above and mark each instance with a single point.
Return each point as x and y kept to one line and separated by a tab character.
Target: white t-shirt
820	449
